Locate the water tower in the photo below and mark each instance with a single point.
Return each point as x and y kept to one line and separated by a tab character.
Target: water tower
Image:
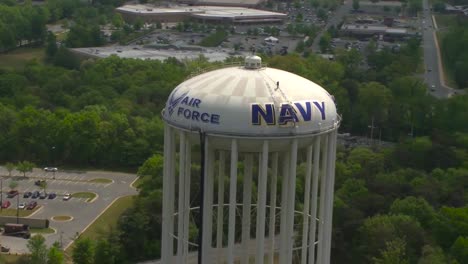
254	125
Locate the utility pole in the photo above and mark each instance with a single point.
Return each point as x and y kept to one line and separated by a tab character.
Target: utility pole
1	193
17	208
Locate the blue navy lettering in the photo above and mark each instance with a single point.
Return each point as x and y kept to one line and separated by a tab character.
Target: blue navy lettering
267	113
289	112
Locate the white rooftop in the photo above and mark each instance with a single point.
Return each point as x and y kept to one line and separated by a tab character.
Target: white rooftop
153	54
221	11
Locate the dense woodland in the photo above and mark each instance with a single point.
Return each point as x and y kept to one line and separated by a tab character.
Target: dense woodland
400	204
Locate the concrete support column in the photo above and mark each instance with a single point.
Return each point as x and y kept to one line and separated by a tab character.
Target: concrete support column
168	203
271	225
283	251
261	204
330	188
246	207
314	201
188	168
181	199
321	223
219	226
208	203
232	202
291	200
305	211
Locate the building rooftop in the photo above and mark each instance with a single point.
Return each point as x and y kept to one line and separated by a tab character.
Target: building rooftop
138	52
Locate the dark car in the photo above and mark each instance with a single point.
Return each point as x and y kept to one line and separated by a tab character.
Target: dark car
4	249
12	193
35	194
43	195
27	194
52	195
39	182
31	205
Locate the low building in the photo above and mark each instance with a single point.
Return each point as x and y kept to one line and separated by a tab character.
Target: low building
240	3
373	30
203	14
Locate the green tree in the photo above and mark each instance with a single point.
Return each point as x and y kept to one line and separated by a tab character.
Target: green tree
51	45
379	230
83	251
13	184
414	207
107	251
394	253
24	166
324	42
9	167
38	249
460	249
55	255
432	255
43	186
356	4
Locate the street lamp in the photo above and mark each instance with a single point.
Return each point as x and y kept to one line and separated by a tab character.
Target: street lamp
53	160
17	208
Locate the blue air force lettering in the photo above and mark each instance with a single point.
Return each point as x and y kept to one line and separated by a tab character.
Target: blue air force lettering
296	112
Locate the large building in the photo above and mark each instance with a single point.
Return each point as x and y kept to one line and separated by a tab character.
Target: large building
249	125
365	31
213	14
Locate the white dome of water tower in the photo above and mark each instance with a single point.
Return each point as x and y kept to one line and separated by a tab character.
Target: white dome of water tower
264	118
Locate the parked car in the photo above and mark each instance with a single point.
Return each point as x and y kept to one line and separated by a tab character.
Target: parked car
12	193
39	182
6	204
35	194
50	169
31	205
21	206
19	230
43	195
4	249
27	194
52	195
66	197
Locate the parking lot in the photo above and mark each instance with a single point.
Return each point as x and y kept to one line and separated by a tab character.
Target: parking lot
81	211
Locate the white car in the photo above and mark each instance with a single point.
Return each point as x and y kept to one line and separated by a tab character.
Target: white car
21	206
66	197
50	169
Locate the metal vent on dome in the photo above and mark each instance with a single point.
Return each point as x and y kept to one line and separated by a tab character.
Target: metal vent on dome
253	62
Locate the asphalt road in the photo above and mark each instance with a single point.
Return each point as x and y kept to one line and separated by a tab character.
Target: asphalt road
83	213
433	66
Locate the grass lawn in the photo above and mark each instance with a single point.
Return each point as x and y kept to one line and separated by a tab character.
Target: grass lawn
138	182
12	212
100	180
14	259
449	78
106	221
88	195
42	230
19	57
61	218
444	21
